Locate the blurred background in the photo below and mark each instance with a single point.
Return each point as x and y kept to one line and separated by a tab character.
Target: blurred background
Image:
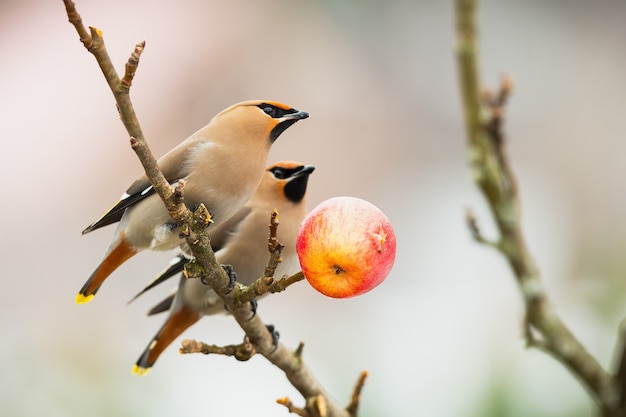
442	335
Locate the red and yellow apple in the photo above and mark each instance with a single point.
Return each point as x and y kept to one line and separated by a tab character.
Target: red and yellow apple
346	247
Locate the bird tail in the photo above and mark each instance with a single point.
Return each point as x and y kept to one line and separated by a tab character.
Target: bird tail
120	253
176	265
175	324
163	306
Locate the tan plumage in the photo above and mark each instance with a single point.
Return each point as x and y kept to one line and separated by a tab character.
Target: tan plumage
222	165
239	242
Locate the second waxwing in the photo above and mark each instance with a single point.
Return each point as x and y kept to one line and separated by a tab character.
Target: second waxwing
240	242
222	165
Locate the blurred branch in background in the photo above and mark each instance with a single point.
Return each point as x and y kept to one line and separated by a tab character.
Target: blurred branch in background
491	170
194	226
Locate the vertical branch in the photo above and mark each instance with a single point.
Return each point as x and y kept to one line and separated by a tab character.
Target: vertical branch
494	176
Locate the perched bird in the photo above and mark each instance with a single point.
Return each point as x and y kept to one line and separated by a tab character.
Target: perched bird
222	165
239	242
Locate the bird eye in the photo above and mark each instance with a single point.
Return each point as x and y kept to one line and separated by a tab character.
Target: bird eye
279	173
270	111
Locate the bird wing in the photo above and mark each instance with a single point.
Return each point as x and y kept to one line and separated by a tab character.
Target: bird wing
173	167
176	265
163	306
115	213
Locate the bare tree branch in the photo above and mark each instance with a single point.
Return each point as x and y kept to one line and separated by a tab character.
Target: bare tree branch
194	227
241	352
493	174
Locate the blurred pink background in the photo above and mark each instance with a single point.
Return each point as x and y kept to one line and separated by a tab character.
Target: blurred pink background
442	335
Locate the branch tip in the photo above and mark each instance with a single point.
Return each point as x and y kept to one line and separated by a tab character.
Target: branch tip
298	352
472	224
286	402
355	399
272	241
132	64
506	85
178	192
95	32
190	346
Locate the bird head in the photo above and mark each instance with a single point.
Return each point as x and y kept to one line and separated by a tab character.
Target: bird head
287	179
259	119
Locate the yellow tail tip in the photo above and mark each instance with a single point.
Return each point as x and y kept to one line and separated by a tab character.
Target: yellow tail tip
138	370
83	299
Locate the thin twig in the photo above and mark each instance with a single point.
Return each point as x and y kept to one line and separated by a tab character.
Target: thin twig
132	64
355	399
284	282
272	244
242	352
472	224
267	283
274	247
291	407
493	174
298	352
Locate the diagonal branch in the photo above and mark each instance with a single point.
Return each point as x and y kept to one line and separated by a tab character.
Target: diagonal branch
94	43
493	174
194	226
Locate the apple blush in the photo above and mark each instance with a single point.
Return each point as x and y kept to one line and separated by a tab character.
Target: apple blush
346	247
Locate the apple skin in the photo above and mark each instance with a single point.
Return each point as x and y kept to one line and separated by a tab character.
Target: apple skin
346	247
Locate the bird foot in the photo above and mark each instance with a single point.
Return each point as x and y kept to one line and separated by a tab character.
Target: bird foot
232	275
253	307
275	336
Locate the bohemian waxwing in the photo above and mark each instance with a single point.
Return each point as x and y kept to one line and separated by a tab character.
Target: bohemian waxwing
240	242
222	165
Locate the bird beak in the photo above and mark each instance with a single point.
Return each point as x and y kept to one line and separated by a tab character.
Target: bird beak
295	189
286	121
298	115
305	170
